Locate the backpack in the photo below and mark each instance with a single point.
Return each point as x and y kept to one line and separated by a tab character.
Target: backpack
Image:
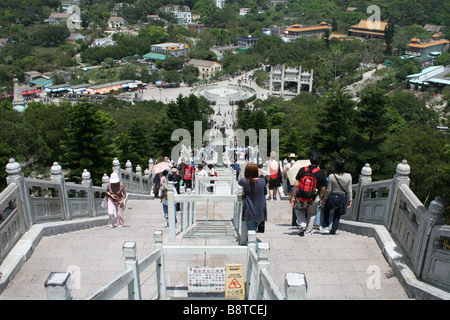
279	178
307	186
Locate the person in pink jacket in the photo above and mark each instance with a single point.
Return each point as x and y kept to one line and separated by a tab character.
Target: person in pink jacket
116	200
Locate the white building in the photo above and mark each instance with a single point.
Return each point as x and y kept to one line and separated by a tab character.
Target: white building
58	17
220	3
103	42
429	77
184	17
279	75
116	23
182	13
171	48
65	4
244	11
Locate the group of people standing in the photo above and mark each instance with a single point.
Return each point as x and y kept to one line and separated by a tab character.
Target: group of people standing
180	175
333	194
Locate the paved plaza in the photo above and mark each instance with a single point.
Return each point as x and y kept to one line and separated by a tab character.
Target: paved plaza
170	94
336	267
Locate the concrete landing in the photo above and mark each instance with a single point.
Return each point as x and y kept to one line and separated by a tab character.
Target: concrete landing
344	266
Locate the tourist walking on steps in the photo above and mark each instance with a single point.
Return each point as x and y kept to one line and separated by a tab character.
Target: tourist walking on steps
212	173
115	190
337	197
254	208
187	172
163	196
291	162
306	210
273	168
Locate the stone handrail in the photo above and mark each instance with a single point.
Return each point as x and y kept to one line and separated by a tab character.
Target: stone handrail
188	203
12	220
436	258
419	231
27	201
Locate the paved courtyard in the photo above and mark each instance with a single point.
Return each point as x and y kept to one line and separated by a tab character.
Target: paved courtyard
170	94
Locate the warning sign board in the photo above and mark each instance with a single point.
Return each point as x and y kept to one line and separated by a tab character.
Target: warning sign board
205	279
234	282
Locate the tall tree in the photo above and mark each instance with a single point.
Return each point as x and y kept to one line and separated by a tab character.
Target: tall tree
88	144
389	36
372	111
374	118
135	144
335	123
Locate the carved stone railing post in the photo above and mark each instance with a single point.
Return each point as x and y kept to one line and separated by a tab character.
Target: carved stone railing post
116	165
160	268
140	183
150	183
58	286
15	175
364	178
132	263
172	213
263	263
129	166
296	287
105	180
87	181
401	177
434	216
58	177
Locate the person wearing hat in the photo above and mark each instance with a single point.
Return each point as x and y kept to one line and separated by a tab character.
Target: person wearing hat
291	162
115	190
176	178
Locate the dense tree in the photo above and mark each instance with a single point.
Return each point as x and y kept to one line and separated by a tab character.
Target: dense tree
134	145
47	123
428	156
155	34
88	144
336	123
389	32
414	111
372	110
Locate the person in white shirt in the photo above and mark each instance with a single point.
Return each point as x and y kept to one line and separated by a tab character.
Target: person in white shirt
201	172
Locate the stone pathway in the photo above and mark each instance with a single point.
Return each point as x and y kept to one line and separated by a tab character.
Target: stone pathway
336	267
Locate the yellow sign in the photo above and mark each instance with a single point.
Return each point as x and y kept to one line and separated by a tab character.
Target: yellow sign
234	282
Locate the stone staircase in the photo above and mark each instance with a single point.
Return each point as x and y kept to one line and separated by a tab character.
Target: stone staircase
336	267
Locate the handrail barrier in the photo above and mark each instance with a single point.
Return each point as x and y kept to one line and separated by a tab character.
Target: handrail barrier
28	201
259	284
420	231
190	202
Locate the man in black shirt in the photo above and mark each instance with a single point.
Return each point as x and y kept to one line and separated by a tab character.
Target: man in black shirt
306	211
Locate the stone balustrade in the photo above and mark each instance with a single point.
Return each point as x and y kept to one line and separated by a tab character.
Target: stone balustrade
28	201
419	231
